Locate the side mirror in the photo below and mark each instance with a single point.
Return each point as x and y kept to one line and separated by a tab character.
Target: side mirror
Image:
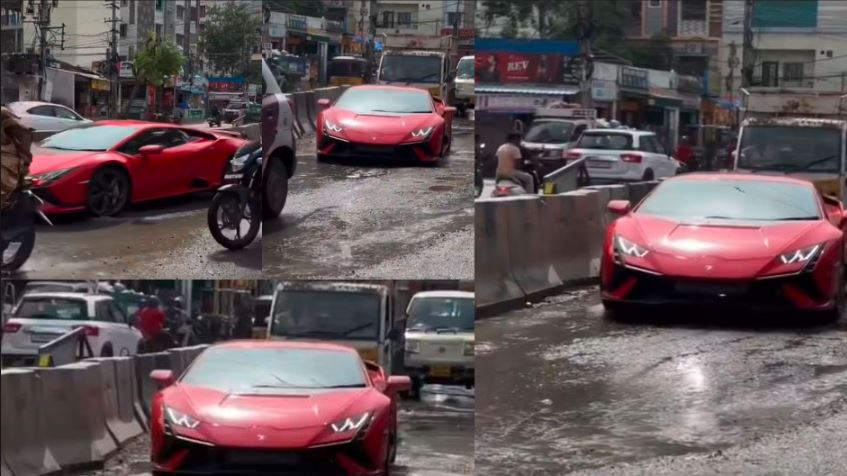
323	103
619	207
394	334
399	383
152	149
450	110
163	378
843	223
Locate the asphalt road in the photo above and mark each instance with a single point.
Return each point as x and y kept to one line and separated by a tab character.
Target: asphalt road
563	388
376	219
165	239
436	439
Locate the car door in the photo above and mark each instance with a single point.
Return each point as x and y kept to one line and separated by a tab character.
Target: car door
647	147
126	336
668	163
66	118
157	175
42	118
105	321
205	158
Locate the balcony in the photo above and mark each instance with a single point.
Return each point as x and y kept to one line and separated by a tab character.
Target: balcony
11	22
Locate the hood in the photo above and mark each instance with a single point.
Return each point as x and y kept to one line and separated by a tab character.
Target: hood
269	408
48	160
379	129
718	239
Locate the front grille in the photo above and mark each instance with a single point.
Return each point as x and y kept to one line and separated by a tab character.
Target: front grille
401	152
45	194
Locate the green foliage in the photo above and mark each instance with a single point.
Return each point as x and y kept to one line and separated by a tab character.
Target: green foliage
157	60
656	53
309	8
232	32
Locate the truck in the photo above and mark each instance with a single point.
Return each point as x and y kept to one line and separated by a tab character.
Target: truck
421	63
795	132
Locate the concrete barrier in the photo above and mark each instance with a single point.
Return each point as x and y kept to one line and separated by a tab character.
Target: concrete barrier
25	423
566	244
146	388
129	403
311	109
73	405
301	106
528	252
122	427
496	287
297	103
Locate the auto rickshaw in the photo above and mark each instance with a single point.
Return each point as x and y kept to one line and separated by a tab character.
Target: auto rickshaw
350	70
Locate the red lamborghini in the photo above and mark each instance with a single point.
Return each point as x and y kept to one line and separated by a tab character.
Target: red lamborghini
732	240
276	407
384	122
102	167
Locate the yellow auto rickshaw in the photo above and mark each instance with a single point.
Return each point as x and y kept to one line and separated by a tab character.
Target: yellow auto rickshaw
350	70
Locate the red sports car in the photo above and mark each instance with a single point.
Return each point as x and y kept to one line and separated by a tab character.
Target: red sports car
272	407
102	167
384	122
731	240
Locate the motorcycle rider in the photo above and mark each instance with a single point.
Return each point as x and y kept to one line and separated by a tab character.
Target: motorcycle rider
181	322
509	160
150	321
15	143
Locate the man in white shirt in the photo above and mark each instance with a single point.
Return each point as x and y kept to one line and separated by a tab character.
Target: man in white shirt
509	161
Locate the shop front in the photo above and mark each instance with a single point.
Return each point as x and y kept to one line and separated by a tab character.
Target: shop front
634	90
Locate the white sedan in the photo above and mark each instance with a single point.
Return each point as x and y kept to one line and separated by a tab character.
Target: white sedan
617	155
45	116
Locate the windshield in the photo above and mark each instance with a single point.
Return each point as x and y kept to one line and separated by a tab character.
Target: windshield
327	314
239	369
813	149
550	132
441	314
464	70
604	141
347	68
93	138
52	308
410	69
732	200
370	100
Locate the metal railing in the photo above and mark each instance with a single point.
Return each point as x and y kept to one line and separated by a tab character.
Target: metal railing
65	349
568	178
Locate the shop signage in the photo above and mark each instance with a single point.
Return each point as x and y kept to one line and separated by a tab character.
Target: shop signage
126	70
510	68
100	85
464	33
604	90
296	22
233	84
492	101
634	78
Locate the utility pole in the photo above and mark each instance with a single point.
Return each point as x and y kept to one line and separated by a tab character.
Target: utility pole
730	80
186	38
43	28
374	16
747	58
113	60
454	50
584	12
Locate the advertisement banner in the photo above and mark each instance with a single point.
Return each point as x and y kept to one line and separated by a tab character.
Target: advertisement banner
233	84
511	68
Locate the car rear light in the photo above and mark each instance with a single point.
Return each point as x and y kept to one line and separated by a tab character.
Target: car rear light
11	327
90	331
631	158
567	155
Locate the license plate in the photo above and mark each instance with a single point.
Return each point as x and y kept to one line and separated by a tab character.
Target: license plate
710	289
262	458
440	371
599	164
42	338
233	177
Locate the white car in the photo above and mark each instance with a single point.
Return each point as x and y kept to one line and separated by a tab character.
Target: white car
42	317
439	345
620	155
45	116
278	146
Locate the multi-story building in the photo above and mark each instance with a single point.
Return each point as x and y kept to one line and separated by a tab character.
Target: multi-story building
12	41
796	44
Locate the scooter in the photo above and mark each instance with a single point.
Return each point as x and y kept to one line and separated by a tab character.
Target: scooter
214	121
235	215
17	235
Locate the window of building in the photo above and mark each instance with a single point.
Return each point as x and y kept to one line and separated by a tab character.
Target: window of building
132	12
452	18
202	11
159	4
158	31
792	71
193	13
180	12
131	54
388	19
694	10
770	73
654	3
404	19
180	40
123	30
123	3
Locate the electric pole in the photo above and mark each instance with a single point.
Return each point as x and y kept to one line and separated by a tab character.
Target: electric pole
43	28
186	38
730	80
747	53
455	46
113	60
584	12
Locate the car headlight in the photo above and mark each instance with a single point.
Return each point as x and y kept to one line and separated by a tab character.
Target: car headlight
351	424
47	177
331	127
629	248
237	163
422	133
413	346
800	256
469	347
181	419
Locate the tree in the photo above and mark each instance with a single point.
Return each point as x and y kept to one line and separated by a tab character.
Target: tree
309	8
232	32
657	53
157	60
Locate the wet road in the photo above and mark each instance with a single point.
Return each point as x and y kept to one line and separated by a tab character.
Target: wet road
158	240
436	439
694	394
376	220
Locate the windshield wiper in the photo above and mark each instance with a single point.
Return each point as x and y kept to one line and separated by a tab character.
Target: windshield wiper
357	328
816	162
808	218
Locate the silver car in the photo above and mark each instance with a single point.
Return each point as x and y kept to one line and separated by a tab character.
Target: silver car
45	116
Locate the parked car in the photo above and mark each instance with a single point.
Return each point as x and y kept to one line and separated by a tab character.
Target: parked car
619	155
40	318
551	134
46	116
234	110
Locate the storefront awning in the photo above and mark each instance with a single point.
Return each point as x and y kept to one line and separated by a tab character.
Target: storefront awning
527	90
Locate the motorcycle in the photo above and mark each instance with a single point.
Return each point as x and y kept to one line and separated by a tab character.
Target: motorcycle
236	206
214	121
17	235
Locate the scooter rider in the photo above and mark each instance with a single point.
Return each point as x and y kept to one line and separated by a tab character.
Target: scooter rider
150	321
509	160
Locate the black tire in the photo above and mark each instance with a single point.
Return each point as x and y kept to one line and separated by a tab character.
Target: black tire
221	199
107	351
275	179
27	244
648	175
108	191
321	158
